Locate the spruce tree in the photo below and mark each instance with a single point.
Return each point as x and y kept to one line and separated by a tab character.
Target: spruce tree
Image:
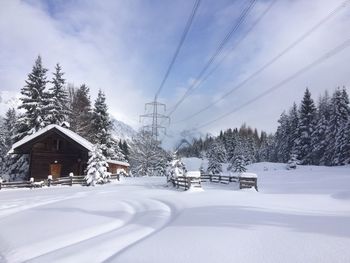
34	102
342	155
97	167
101	123
341	146
80	117
282	139
339	116
147	158
238	164
306	127
319	135
58	99
216	156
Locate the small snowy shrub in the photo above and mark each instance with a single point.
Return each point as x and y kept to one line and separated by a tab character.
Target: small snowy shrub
97	167
238	164
177	168
292	163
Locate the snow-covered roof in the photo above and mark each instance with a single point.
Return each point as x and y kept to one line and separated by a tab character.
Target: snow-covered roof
248	175
118	163
74	136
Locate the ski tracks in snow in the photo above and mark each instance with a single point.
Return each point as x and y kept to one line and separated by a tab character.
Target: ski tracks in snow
147	217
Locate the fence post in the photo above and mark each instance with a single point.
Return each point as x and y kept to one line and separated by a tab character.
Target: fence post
31	181
0	182
71	178
49	179
210	178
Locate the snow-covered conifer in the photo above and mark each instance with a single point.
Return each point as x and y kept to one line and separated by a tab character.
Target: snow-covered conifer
58	99
238	164
318	137
216	156
147	158
97	167
306	127
34	102
80	112
339	116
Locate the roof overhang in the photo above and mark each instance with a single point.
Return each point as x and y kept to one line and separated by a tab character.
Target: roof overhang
23	146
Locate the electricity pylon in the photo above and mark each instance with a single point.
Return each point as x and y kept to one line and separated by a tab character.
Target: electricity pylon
156	117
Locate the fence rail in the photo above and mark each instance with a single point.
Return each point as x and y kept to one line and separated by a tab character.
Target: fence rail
244	182
65	180
186	182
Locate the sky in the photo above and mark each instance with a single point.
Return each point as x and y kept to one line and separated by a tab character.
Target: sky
125	47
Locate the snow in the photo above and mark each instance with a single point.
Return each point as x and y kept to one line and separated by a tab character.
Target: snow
118	162
74	136
300	215
248	175
196	174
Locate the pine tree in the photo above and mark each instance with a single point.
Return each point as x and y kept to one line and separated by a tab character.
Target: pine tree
293	129
3	148
101	123
147	158
318	137
343	145
97	167
306	127
239	156
125	149
282	139
34	102
342	138
13	166
80	117
216	155
58	99
177	168
339	116
238	164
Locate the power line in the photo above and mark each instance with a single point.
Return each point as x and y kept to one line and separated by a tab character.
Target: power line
326	56
272	61
216	53
155	116
183	37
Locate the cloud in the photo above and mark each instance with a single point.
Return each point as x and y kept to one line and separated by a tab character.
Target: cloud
124	47
286	21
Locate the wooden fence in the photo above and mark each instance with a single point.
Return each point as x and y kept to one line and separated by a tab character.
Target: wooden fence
66	180
244	182
186	182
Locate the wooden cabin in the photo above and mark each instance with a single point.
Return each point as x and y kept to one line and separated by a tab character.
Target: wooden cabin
57	151
116	167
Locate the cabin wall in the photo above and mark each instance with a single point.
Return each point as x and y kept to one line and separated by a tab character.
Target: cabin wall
113	168
54	149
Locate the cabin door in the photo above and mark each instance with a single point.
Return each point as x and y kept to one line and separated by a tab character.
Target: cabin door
55	170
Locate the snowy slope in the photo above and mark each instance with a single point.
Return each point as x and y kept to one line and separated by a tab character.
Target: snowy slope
122	131
8	100
299	215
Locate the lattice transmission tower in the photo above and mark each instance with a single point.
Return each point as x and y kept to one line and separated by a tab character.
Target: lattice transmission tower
156	117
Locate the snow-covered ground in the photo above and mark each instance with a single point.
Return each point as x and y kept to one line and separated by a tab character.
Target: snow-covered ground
300	215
